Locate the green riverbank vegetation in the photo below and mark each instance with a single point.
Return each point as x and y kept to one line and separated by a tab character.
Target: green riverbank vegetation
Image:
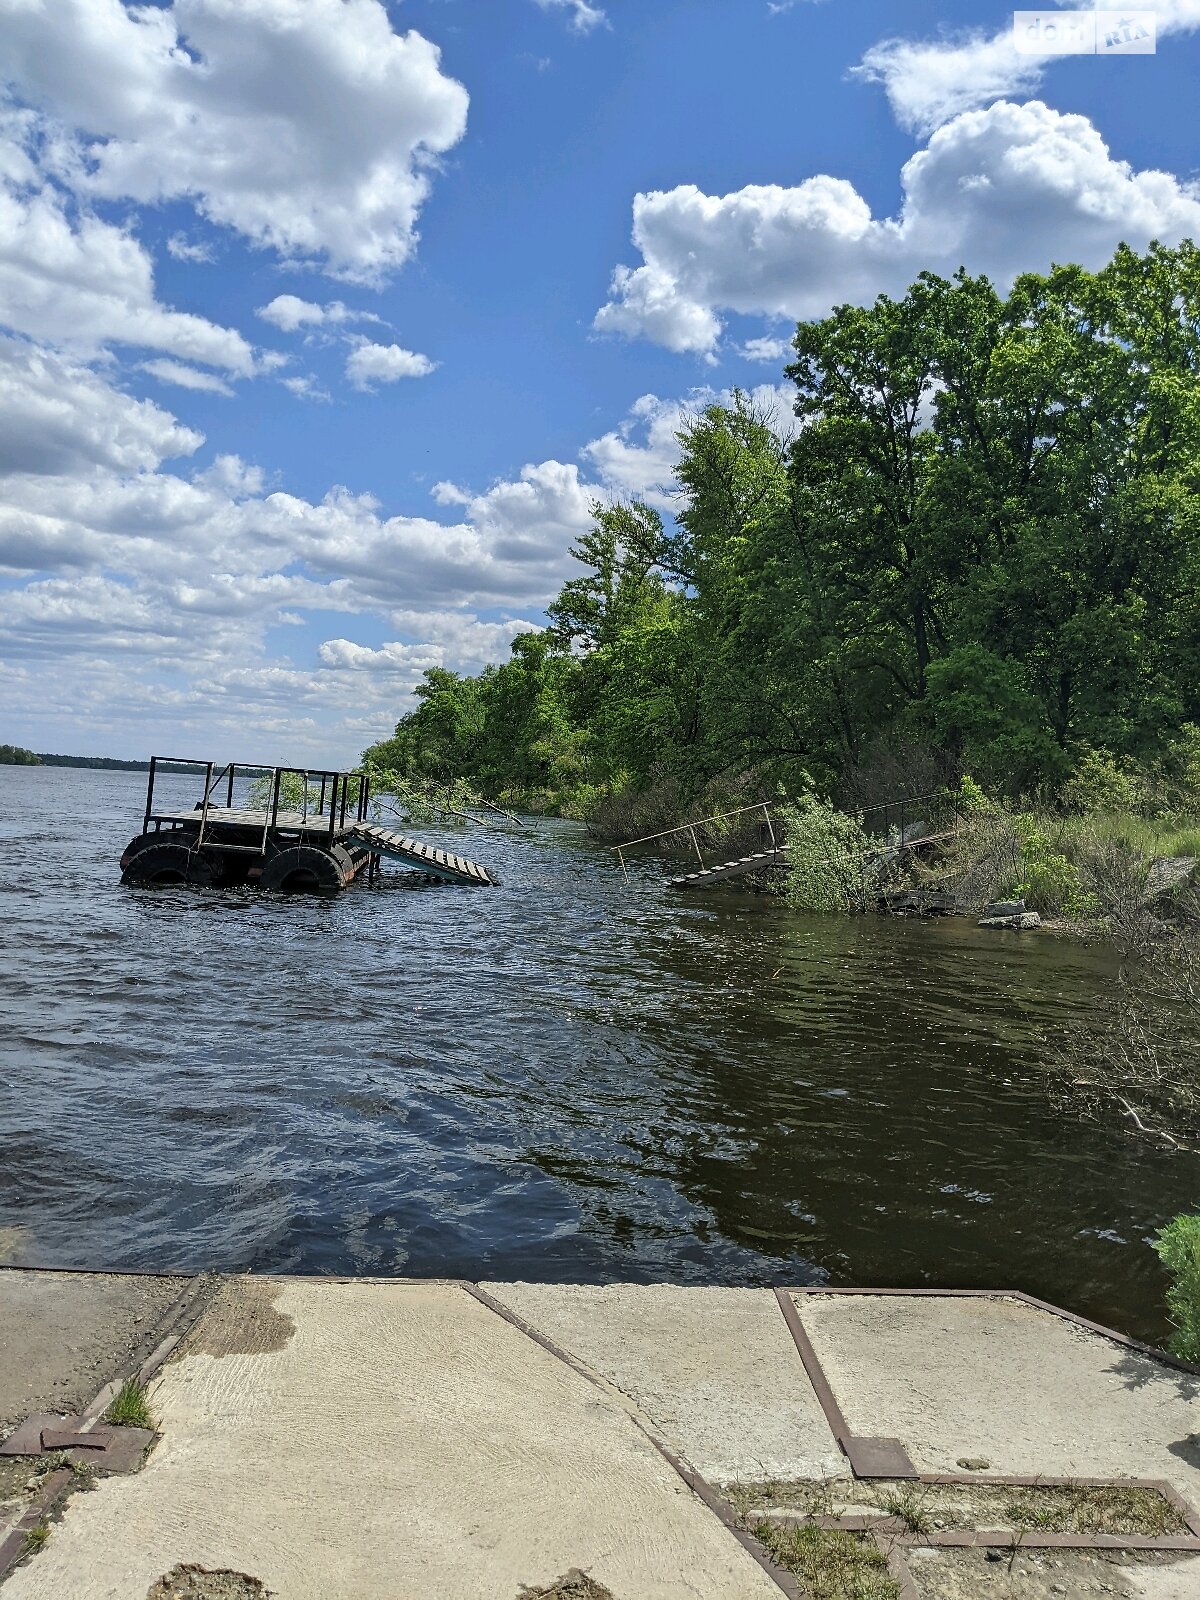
974	549
13	755
1179	1246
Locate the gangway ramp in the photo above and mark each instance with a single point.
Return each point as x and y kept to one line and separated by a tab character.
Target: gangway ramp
424	857
760	862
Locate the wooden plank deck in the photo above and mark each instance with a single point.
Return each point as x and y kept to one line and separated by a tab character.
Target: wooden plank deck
425	857
231	817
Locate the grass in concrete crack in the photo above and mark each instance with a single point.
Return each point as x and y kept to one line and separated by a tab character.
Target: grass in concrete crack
910	1507
36	1538
833	1564
128	1408
1093	1508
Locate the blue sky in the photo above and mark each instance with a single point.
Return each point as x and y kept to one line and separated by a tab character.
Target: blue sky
326	319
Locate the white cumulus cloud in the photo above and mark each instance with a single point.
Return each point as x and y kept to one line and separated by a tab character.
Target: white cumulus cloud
58	417
370	364
927	81
1001	191
71	278
308	126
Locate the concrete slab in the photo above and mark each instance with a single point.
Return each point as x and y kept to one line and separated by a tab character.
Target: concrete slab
715	1371
394	1440
1000	1380
63	1335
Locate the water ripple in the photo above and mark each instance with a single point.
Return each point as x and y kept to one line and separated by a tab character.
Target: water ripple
569	1077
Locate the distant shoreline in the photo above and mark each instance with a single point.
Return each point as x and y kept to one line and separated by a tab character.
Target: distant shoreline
104	763
97	763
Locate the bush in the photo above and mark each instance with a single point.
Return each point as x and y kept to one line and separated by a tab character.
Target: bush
1101	783
1048	880
827	857
1179	1246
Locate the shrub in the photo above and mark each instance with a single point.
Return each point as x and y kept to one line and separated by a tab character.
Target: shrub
971	800
1102	783
1183	763
827	857
1048	881
1179	1246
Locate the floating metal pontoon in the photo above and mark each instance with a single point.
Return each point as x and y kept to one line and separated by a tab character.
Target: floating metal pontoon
319	849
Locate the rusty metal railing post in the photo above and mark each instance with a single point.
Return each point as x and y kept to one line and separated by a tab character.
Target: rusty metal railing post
229	790
150	795
208	778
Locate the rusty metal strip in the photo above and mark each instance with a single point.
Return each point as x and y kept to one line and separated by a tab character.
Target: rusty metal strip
74	1439
834	1416
13	1545
695	1482
896	1564
867	1457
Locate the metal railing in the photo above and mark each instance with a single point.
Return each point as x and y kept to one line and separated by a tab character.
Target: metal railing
338	789
690	828
903	809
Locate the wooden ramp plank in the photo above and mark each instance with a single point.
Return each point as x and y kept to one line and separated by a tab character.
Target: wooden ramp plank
397	847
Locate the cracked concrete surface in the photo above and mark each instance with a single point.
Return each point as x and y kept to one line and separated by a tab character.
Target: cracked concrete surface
998	1379
715	1370
404	1442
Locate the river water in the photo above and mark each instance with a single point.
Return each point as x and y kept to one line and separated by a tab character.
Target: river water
571	1077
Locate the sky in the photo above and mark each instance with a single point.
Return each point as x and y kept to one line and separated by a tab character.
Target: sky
323	323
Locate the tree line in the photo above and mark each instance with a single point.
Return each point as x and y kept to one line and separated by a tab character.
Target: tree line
975	548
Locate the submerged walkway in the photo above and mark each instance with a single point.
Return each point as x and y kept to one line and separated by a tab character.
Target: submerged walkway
420	1440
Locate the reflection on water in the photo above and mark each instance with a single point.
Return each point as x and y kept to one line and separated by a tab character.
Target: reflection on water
569	1077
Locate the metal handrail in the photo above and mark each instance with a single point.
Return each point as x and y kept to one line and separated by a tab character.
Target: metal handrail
762	805
765	806
690	828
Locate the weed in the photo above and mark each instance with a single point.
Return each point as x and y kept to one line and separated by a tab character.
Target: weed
833	1564
909	1506
1091	1509
36	1538
129	1409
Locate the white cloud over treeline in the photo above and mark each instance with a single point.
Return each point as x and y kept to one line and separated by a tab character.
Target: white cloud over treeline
1002	190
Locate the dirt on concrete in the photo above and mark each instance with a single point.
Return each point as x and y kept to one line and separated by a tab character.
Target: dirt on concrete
15	1475
240	1320
1051	1574
573	1585
198	1583
926	1507
63	1335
